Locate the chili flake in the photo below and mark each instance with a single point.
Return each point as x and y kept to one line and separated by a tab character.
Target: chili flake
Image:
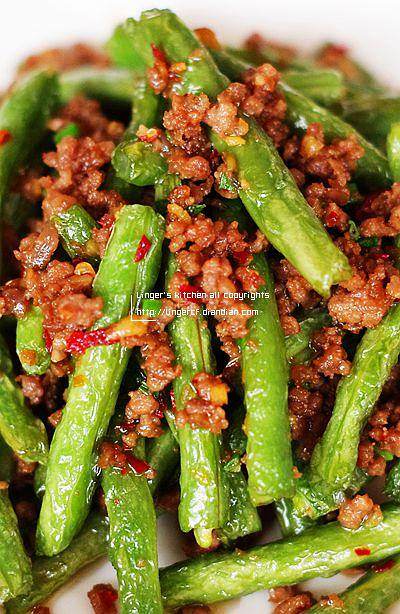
143	248
5	136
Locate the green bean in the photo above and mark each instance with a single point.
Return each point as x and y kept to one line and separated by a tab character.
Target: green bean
133	541
119	49
49	574
22	431
24	114
110	85
290	522
373	117
265	380
31	346
146	107
203	502
323	86
298	345
15	566
75	227
375	591
15	569
319	551
71	471
335	456
393	151
392	484
243	518
372	169
315	502
137	163
163	456
272	198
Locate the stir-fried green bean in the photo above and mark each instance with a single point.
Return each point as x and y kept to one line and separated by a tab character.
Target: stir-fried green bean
15	567
372	169
272	199
133	541
265	380
30	343
319	551
95	383
375	591
49	574
203	503
75	227
334	458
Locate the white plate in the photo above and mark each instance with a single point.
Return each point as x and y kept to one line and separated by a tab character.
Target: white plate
368	26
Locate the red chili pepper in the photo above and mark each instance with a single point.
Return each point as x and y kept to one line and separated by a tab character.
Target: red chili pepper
5	136
384	256
158	54
105	596
81	340
143	248
185	289
362	551
47	340
384	566
139	466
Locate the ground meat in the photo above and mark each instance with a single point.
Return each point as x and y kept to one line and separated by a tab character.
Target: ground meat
90	119
382	213
183	122
365	298
159	361
323	172
223	116
32	388
359	510
103	599
35	250
370	462
143	410
13	300
205	410
66	58
289	601
292	290
333	358
312	393
78	163
383	429
265	102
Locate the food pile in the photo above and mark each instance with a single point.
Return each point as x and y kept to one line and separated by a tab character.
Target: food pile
199	315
